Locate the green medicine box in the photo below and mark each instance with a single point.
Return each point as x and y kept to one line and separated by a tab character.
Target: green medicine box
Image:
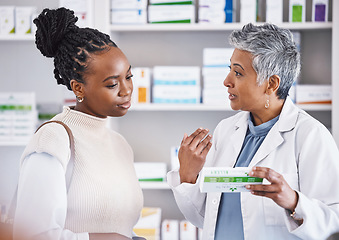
216	179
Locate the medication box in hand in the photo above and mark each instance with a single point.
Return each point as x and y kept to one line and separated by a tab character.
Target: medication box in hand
216	179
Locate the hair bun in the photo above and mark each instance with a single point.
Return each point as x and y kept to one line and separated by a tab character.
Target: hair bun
52	26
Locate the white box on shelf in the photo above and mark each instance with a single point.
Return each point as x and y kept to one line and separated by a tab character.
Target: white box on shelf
18	116
155	2
171	14
23	20
216	11
222	179
151	171
176	84
170	230
148	225
320	10
141	85
274	11
211	15
218	4
217	57
7	20
128	4
248	11
133	16
187	230
297	10
313	94
176	94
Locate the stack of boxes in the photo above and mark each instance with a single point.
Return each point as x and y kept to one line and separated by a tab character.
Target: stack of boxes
216	63
17	20
18	117
171	11
173	84
128	11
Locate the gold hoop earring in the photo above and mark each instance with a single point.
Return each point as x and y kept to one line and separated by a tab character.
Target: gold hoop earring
79	99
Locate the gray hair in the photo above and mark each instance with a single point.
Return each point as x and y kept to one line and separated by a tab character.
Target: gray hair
274	53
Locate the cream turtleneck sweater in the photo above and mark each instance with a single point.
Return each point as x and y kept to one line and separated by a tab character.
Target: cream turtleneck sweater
104	194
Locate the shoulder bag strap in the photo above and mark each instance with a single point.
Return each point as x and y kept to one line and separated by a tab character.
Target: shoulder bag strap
70	166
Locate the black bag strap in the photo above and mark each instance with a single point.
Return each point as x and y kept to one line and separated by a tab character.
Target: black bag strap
68	175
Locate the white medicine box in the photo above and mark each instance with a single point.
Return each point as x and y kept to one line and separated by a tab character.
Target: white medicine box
23	20
7	25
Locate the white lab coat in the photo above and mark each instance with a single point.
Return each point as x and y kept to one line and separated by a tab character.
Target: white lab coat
298	147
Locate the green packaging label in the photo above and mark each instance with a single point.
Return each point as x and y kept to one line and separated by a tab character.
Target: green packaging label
297	12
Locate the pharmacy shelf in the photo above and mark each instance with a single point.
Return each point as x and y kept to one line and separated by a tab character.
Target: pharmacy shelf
184	27
315	107
154	185
13	37
311	26
205	107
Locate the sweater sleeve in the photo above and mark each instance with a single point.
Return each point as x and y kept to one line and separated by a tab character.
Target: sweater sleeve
42	200
51	139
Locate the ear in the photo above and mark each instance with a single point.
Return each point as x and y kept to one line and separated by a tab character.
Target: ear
78	88
273	84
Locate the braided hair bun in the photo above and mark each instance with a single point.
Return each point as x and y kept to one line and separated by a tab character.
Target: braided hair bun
57	36
52	26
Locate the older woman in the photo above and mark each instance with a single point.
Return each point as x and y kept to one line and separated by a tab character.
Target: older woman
282	144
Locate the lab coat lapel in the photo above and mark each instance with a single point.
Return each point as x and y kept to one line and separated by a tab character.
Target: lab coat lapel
287	121
238	137
271	142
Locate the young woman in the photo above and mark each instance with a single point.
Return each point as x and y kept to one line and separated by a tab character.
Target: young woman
104	199
280	142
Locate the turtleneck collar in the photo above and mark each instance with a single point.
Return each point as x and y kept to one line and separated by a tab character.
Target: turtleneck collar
78	118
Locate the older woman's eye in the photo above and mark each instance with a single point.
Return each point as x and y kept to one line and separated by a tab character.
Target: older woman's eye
237	73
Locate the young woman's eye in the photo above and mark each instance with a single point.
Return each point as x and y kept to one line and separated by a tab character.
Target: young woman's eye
129	77
112	86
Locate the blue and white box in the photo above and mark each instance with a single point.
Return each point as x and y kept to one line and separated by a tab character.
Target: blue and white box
176	84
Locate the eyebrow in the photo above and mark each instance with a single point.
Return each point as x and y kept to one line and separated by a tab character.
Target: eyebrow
115	76
237	64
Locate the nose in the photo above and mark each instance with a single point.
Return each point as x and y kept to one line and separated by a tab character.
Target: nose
126	88
227	81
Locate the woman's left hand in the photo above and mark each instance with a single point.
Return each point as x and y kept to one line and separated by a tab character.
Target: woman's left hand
279	190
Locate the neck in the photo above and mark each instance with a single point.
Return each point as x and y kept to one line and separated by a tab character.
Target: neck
267	114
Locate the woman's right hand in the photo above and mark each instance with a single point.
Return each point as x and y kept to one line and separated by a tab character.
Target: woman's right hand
192	154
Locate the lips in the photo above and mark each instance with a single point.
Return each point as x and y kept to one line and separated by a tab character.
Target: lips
231	96
125	105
